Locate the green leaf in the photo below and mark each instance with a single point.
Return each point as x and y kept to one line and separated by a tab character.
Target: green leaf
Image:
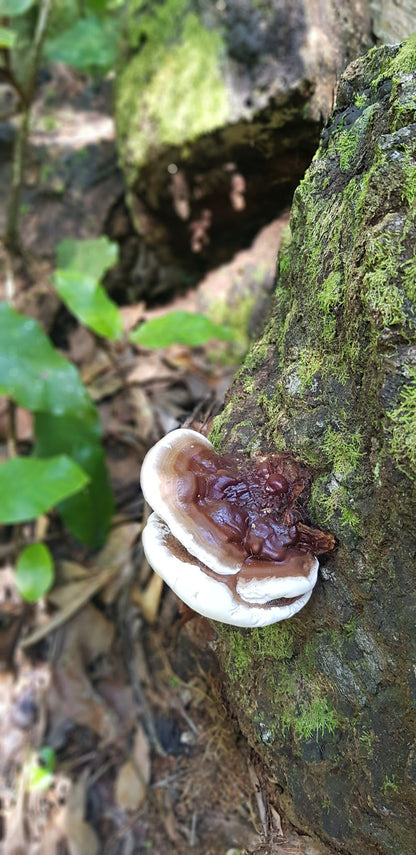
8	8
100	7
39	769
34	572
30	487
89	302
7	37
178	328
90	45
47	758
35	374
87	514
89	257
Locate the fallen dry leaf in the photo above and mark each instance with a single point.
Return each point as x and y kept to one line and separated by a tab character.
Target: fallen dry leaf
81	838
148	600
140	754
111	561
72	696
130	791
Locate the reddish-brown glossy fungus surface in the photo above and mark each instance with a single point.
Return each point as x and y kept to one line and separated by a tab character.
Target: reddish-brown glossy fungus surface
251	505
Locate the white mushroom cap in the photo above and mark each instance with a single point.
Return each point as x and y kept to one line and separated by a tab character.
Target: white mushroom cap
198	587
224	536
160	484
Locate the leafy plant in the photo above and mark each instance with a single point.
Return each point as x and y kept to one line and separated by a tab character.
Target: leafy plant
88	512
35	375
11	8
30	487
34	572
88	45
81	264
39	769
7	37
179	327
84	35
68	468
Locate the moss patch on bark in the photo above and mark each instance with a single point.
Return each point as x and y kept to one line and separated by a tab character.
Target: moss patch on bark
327	700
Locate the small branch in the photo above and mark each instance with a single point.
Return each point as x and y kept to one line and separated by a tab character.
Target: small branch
10	280
11	429
38	39
11	237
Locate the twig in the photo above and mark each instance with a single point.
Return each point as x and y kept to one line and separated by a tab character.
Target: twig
11	237
10	279
192	836
259	798
11	429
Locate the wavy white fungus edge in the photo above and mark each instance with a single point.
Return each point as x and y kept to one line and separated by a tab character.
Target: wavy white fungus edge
210	597
152	473
261	591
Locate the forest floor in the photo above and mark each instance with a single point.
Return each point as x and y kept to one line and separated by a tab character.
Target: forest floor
103	670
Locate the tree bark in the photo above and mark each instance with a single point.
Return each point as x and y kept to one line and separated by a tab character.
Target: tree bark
326	697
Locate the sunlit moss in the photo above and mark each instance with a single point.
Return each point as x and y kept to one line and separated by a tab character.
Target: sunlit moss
344	450
403	418
310	362
172	90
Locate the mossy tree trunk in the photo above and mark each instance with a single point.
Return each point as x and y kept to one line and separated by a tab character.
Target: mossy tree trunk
326	698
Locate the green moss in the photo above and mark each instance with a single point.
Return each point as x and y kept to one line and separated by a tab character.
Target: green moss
405	60
343	450
381	264
220	425
309	363
409	278
349	517
330	295
347	148
314	716
256	355
279	442
403	435
345	141
172	90
274	642
360	100
332	504
389	784
300	703
284	263
248	385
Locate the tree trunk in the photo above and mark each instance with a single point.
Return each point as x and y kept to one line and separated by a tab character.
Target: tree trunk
326	697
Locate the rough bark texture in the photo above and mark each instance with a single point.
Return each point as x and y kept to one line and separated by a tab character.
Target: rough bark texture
326	698
201	87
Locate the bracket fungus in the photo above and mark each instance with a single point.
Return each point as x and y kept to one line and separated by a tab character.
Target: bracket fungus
226	534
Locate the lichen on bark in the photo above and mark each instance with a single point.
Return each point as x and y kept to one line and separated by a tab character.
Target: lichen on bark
328	700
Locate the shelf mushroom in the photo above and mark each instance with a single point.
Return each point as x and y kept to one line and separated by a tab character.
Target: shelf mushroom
225	534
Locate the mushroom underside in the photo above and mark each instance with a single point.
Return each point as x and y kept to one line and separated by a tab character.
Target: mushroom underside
246	603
